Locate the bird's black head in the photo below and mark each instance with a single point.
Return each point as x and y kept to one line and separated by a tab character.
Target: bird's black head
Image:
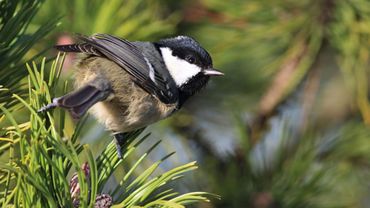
189	64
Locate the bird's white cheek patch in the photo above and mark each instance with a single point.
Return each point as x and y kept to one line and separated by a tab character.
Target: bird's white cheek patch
180	70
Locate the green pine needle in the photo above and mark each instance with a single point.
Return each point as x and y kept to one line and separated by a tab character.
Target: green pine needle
40	160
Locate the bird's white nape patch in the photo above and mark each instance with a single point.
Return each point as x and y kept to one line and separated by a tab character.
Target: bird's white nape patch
181	71
180	37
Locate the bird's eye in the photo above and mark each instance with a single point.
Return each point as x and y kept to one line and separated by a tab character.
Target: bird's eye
190	59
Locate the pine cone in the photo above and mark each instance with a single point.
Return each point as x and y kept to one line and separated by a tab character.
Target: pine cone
103	201
75	186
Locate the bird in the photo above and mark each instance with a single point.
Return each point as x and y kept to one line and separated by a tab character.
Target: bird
128	85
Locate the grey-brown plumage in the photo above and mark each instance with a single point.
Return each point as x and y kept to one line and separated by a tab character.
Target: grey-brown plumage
127	107
129	85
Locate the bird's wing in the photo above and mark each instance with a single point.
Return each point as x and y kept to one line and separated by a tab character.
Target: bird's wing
131	59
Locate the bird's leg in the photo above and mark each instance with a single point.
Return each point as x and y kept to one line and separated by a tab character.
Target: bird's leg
125	138
119	139
49	106
78	101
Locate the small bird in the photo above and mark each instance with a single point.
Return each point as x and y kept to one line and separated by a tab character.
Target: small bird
129	85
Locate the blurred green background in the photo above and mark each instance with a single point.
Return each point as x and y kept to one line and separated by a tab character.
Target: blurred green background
288	124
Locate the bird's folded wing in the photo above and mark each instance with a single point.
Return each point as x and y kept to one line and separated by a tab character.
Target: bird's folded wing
131	59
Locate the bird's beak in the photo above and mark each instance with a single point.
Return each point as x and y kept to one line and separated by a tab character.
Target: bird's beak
212	72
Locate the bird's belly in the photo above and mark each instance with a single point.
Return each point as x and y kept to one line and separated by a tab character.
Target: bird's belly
134	115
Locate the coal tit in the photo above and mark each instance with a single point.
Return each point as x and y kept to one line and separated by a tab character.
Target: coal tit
129	85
